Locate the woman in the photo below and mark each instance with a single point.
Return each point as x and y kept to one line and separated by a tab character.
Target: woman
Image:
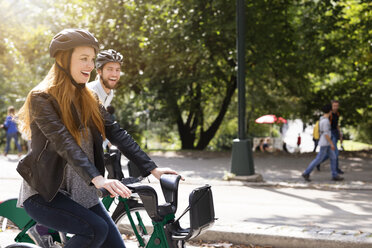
11	131
65	166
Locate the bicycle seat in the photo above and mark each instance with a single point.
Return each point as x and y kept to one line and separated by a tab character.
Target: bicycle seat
169	185
149	197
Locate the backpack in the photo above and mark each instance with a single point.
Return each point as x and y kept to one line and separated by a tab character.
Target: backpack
316	131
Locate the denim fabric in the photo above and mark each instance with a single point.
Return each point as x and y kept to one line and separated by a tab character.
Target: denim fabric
93	227
324	151
9	137
334	138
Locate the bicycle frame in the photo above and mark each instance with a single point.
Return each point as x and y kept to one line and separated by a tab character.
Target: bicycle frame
107	202
167	232
158	237
23	221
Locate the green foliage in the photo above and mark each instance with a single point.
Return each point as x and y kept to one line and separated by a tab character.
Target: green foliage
23	53
180	61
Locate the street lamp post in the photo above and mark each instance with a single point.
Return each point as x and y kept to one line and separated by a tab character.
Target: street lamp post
242	160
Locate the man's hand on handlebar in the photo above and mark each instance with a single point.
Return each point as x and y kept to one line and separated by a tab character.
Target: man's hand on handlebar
115	187
157	172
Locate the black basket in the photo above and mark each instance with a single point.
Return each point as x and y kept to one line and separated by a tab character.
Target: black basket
201	215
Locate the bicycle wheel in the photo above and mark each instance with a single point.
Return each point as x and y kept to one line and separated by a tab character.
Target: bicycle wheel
22	245
140	218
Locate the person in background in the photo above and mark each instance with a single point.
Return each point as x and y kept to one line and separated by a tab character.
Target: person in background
298	140
316	135
326	147
263	146
11	131
108	66
336	133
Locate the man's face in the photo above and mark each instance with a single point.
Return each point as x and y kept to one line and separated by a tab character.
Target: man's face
110	74
335	106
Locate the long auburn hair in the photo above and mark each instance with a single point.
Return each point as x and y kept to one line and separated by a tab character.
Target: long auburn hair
59	85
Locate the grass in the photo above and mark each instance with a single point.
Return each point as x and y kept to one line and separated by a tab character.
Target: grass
350	145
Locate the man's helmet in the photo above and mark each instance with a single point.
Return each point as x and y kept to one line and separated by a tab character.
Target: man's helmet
71	38
107	56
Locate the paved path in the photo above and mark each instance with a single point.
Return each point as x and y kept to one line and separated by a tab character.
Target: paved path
297	210
278	167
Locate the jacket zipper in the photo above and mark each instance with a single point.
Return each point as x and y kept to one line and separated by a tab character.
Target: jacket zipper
42	151
63	179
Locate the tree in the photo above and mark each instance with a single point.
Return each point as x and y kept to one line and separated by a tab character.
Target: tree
180	58
23	51
341	47
181	55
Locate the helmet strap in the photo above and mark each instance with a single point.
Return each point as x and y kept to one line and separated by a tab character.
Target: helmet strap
78	86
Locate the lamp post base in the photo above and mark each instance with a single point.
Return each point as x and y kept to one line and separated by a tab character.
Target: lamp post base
242	158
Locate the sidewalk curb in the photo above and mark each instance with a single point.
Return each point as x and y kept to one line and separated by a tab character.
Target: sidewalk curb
354	185
322	239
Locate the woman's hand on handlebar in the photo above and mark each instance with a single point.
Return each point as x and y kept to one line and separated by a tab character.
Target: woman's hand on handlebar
115	187
157	172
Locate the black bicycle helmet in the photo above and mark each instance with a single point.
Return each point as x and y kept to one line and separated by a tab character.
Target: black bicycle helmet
71	38
68	39
107	56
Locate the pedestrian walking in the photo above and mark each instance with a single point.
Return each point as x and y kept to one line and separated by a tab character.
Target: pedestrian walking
326	147
316	135
10	126
336	133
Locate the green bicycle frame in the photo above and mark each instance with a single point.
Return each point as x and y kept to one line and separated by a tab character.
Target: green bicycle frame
158	238
107	201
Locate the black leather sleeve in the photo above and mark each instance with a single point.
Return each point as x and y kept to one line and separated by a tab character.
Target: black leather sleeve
50	124
125	143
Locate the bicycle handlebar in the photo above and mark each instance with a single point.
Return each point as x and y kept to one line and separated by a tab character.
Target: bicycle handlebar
102	192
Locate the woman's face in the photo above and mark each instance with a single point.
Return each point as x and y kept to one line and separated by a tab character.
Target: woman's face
82	63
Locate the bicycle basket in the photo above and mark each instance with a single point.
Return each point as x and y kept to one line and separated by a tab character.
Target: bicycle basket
201	210
201	215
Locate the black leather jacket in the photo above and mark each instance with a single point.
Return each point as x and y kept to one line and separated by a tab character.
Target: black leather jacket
53	146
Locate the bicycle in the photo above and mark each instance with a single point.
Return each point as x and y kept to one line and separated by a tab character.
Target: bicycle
166	229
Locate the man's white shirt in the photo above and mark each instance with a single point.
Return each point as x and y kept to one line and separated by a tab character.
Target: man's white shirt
105	98
97	87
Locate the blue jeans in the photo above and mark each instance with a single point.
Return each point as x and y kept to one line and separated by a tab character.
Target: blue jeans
324	151
93	227
9	137
334	138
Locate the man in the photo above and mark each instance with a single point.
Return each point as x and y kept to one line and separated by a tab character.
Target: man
336	133
108	66
327	147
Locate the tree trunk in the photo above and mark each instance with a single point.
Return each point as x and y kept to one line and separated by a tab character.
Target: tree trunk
207	136
187	131
187	137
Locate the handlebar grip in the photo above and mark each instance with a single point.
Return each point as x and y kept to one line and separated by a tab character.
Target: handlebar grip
102	192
